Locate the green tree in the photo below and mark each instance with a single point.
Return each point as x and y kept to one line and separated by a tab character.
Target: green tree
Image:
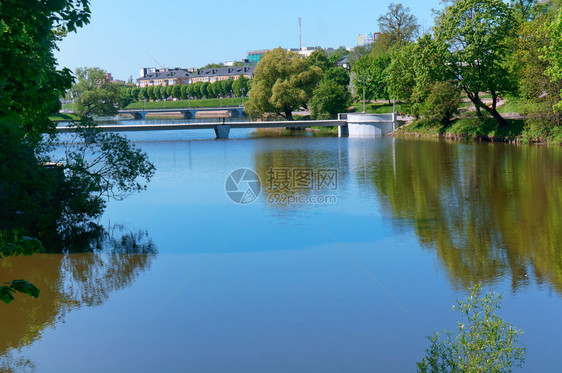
226	87
441	103
358	52
48	193
184	91
283	82
87	79
249	84
95	97
205	91
536	83
196	87
553	54
373	70
329	99
29	94
401	73
213	65
338	75
337	55
192	90
150	92
472	40
135	93
523	9
398	24
214	89
485	342
29	32
320	59
143	94
158	92
176	91
414	69
240	84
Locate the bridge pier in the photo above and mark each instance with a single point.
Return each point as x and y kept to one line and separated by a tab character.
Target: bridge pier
222	131
139	115
236	113
360	125
343	131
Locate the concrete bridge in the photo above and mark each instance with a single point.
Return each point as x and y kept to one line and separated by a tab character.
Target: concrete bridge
354	125
187	113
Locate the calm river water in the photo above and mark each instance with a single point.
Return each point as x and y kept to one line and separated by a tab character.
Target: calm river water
353	253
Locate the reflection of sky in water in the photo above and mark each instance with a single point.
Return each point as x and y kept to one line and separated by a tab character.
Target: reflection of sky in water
266	287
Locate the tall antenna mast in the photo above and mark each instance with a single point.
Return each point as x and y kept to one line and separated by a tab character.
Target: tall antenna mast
154	59
300	45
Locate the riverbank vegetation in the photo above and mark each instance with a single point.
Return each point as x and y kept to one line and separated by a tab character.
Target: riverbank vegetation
480	53
483	59
48	197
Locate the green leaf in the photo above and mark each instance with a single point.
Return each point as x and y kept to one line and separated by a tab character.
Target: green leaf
6	294
25	287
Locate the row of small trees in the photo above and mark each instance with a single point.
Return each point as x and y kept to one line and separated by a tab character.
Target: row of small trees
223	88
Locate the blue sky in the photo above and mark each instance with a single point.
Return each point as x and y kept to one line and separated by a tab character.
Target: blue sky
123	34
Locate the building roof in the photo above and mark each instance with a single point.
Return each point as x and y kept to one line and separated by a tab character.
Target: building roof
219	71
170	74
343	61
225	71
259	51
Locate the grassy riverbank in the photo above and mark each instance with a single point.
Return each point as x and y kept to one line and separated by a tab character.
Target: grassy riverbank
473	129
466	128
212	102
469	127
60	117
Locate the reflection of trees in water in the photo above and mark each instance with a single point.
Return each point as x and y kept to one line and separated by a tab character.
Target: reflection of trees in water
106	261
489	210
294	169
9	363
